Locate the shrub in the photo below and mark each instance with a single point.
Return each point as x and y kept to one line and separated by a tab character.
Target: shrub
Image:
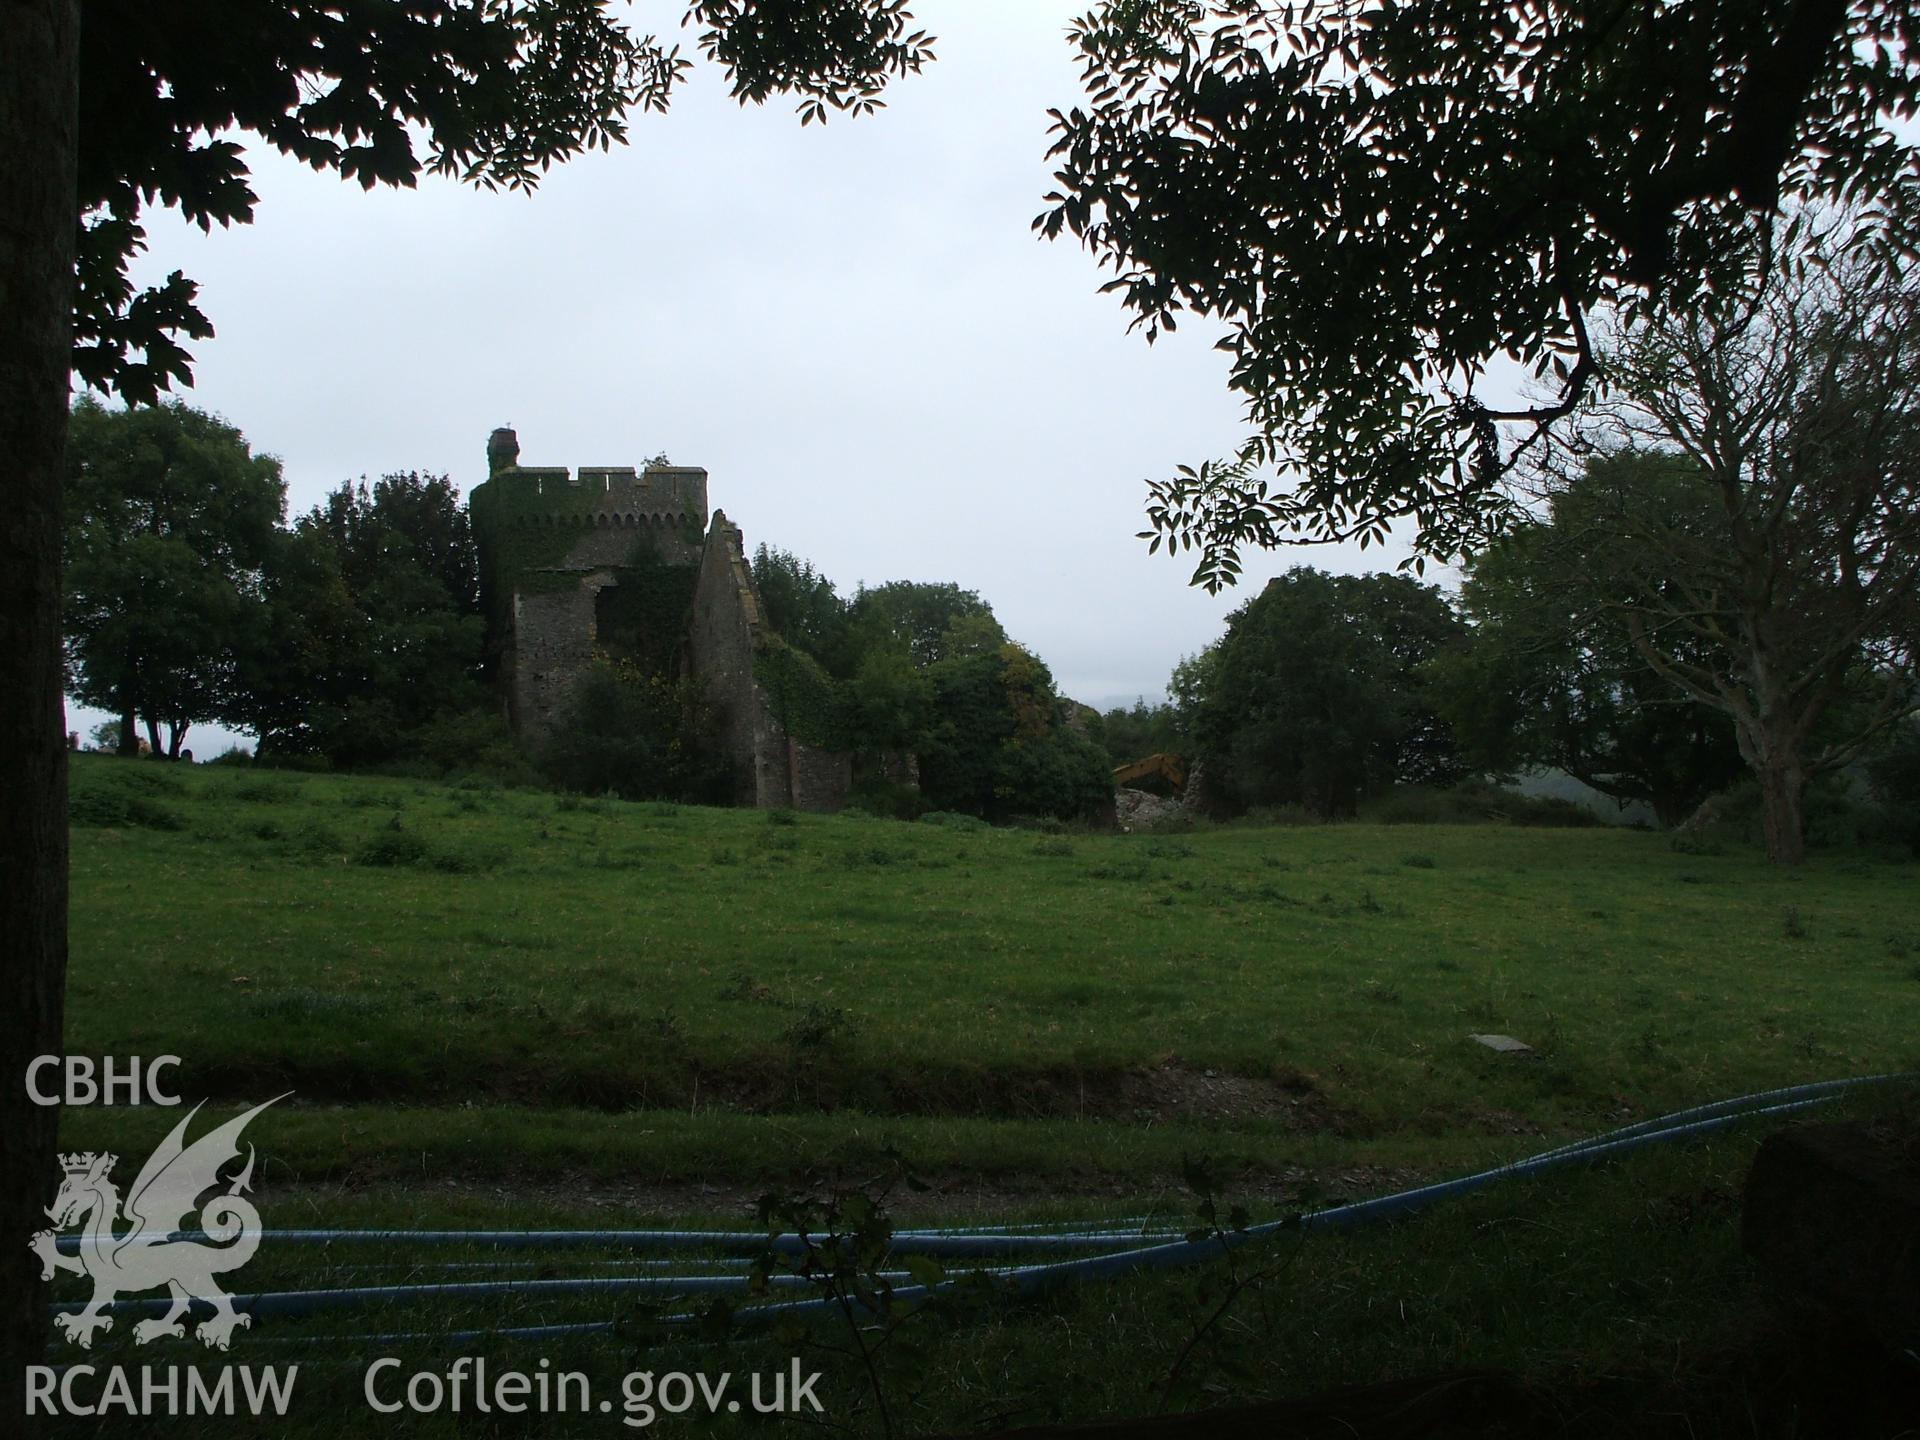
472	743
1473	802
1280	815
951	820
637	736
1894	780
1687	843
123	793
465	860
1833	817
105	807
317	839
390	846
264	792
889	799
300	762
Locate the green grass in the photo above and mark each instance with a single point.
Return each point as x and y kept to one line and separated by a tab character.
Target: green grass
384	943
506	1008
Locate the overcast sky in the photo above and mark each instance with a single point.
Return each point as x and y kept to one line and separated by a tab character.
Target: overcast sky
853	329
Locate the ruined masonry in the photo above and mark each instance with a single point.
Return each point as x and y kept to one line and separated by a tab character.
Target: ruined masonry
626	564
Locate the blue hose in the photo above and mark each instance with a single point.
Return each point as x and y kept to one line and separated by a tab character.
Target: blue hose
968	1242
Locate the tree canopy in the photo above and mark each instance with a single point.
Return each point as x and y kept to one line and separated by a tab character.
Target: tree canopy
493	92
1770	568
1379	200
170	519
1000	744
1548	675
372	630
1317	694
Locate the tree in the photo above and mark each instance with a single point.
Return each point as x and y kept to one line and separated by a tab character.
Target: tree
1317	694
887	703
169	519
1132	732
147	107
372	630
1000	744
39	64
308	635
920	617
408	533
802	606
1380	199
1547	675
412	651
1776	578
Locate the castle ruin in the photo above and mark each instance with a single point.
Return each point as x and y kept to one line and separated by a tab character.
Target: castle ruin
613	562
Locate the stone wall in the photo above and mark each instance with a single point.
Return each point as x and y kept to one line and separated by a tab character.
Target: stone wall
550	646
770	768
720	643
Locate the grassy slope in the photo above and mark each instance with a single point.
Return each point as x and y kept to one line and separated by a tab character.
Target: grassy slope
542	953
516	1007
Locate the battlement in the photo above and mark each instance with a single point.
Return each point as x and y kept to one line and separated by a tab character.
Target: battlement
670	498
556	490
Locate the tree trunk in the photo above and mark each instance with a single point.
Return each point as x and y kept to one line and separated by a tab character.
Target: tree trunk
39	103
129	734
1783	793
153	738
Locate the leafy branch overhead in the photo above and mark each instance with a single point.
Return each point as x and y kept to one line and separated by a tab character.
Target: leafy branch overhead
492	92
1380	200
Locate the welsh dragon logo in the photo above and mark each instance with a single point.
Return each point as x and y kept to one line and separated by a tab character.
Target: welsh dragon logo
164	1197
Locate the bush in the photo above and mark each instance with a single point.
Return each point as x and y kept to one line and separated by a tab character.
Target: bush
889	799
470	860
1474	802
392	846
952	820
1833	817
146	776
1282	815
300	762
637	736
1894	781
472	743
106	808
113	793
264	792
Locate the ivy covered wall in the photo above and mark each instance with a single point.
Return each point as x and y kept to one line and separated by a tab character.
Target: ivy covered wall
574	564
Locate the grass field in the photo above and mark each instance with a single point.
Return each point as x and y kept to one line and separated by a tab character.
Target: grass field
505	1007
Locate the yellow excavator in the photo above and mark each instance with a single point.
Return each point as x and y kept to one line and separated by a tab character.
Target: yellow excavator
1160	774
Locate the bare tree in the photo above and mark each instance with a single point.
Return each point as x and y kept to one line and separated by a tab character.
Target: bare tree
1773	574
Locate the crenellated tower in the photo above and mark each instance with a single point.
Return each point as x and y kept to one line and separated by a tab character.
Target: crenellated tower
624	563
